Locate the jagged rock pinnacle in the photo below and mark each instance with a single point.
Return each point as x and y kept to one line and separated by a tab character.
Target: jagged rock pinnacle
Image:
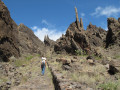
119	20
81	23
45	37
77	19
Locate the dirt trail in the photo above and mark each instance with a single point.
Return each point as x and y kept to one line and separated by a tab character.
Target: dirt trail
32	78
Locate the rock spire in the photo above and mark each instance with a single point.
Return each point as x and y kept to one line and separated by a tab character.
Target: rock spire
77	19
81	23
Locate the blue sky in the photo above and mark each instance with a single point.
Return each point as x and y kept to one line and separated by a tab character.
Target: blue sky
53	17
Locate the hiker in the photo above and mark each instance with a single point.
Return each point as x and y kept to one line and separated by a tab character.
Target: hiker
43	65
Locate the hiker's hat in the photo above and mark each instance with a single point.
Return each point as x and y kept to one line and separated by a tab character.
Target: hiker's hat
43	58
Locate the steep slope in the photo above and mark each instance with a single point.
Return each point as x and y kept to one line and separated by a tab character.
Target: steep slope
29	43
16	40
8	35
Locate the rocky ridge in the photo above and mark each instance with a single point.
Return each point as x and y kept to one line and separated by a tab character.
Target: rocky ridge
76	38
16	40
8	35
28	42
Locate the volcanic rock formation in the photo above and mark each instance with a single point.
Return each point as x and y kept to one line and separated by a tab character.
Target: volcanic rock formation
96	36
76	38
8	35
29	43
16	40
48	41
113	35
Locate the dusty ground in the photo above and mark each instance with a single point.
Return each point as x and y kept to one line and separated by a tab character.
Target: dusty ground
26	76
33	80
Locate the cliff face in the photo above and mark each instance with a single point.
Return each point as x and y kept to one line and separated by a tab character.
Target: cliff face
28	42
96	36
113	35
8	35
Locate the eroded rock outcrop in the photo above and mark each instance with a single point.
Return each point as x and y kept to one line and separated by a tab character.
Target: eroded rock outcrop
48	41
76	38
8	35
96	36
113	35
29	43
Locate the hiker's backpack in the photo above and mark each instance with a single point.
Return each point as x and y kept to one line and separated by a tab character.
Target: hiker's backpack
43	64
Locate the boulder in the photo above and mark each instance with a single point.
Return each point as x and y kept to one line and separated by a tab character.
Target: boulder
114	67
89	57
73	60
74	57
91	62
63	61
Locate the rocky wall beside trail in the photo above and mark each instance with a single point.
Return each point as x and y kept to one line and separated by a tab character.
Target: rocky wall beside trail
62	83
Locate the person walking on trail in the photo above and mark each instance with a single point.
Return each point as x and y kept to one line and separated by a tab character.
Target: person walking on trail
43	65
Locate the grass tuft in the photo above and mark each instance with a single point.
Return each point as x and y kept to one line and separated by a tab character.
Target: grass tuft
29	57
109	86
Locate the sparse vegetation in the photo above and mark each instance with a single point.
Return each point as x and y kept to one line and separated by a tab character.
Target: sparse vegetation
24	61
3	79
109	86
19	63
80	52
75	76
24	79
96	57
29	57
117	56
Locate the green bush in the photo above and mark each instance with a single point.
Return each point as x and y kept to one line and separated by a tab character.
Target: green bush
80	52
109	86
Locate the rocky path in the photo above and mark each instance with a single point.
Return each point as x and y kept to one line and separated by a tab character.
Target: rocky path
32	78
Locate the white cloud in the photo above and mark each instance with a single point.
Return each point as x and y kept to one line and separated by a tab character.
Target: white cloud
45	22
106	11
82	14
105	28
49	30
53	34
34	28
48	24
